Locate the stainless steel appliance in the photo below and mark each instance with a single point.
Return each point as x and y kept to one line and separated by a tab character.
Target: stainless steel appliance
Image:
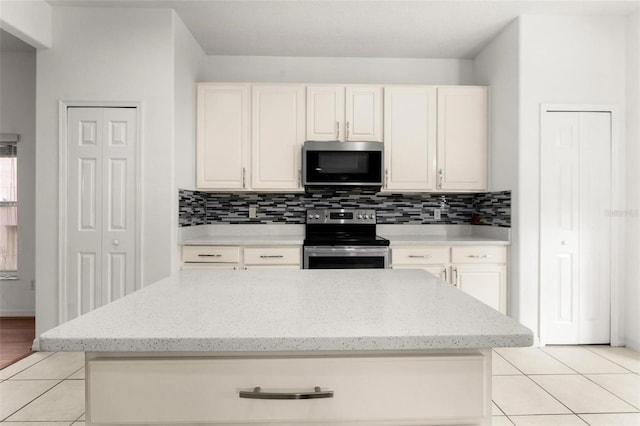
342	163
343	239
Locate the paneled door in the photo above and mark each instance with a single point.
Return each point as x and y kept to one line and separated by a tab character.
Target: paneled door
575	230
278	131
101	207
410	138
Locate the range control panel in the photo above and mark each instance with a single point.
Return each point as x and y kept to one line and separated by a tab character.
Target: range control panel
339	216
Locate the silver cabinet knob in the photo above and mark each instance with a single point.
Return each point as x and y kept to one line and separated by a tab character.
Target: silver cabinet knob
115	242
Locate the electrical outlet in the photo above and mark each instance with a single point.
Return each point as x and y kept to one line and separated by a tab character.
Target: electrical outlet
253	212
437	214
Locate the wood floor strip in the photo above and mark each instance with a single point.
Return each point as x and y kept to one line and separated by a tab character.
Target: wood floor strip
16	338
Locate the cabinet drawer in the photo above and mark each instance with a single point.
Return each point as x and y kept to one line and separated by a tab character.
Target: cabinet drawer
479	254
210	254
272	255
420	255
394	389
440	271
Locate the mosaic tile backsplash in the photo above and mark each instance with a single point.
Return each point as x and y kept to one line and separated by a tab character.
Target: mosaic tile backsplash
205	208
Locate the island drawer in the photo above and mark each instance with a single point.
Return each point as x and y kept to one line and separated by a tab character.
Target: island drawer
210	254
272	255
479	254
420	255
398	390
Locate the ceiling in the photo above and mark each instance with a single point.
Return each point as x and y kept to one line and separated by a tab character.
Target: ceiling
375	28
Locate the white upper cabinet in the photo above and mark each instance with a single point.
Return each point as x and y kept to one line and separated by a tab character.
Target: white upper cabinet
410	138
223	136
363	113
249	137
462	138
277	135
344	113
325	113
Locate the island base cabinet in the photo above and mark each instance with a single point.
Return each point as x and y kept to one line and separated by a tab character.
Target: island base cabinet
372	390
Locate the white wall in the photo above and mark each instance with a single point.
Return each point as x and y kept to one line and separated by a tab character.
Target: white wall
107	54
564	60
277	69
30	21
188	58
18	115
498	67
632	254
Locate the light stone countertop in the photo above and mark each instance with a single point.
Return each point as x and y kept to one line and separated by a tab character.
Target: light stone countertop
294	235
242	234
290	310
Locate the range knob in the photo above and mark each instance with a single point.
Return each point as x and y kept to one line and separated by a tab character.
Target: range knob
317	216
359	216
310	216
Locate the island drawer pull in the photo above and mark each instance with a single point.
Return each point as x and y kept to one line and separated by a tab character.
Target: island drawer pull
424	256
257	393
264	256
209	255
479	256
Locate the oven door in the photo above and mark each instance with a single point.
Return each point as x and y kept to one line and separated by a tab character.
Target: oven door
345	257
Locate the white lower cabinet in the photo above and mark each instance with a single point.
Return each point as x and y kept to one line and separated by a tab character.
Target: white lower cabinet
487	283
480	271
366	390
240	257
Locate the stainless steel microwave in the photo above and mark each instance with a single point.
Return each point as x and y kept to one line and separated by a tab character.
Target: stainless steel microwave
342	163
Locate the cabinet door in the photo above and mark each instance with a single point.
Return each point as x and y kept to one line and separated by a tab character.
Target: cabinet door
410	138
487	283
363	113
278	132
325	113
222	136
462	138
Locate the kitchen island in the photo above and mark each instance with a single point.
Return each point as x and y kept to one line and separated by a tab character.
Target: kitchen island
384	347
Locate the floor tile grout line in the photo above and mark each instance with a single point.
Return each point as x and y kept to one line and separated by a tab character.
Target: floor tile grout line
559	360
511	364
573	375
637	407
552	395
26	368
549	415
582	347
32	400
608	359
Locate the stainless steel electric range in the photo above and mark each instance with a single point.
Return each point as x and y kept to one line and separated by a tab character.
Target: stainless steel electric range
343	239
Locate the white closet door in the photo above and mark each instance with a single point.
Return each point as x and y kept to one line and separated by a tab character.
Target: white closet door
595	228
575	231
101	207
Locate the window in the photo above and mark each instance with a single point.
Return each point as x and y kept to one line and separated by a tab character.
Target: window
8	206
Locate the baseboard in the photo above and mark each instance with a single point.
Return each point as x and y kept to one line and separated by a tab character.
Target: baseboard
16	313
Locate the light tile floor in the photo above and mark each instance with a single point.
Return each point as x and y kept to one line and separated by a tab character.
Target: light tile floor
550	386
